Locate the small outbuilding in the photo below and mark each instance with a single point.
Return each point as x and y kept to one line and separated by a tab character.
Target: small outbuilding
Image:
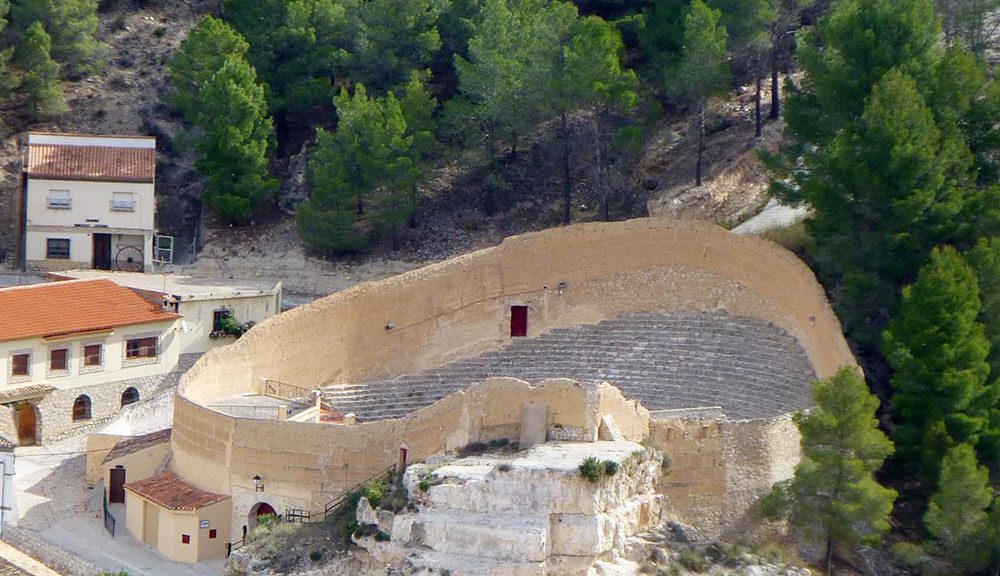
184	522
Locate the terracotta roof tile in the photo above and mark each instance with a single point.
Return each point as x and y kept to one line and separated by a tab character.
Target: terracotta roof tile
103	163
72	307
138	443
173	492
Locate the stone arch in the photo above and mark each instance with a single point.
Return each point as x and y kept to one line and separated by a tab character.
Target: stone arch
130	396
256	511
81	408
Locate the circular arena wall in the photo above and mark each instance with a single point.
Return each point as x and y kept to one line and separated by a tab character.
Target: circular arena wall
451	310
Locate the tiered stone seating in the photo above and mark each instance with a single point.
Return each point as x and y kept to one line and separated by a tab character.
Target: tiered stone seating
749	367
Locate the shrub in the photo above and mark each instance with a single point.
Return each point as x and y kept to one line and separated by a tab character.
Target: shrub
316	555
498	443
473	448
160	32
592	469
424	486
374	491
504	467
381	536
610	467
911	557
693	561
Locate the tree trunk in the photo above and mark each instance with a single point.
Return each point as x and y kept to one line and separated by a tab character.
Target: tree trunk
361	204
829	556
489	203
775	95
759	116
281	133
414	202
567	175
605	212
701	139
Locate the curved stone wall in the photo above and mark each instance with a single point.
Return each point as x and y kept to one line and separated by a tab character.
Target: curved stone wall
457	309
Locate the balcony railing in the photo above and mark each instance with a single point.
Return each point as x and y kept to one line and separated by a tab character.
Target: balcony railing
123	205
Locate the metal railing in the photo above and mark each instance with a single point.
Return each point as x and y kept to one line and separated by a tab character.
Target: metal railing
234	546
304	516
285	391
109	519
250	412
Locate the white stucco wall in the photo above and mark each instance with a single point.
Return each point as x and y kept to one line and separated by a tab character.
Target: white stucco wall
90	212
114	366
199	314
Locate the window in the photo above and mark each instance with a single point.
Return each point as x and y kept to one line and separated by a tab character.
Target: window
92	355
59	359
59	200
57	248
20	364
213	533
141	348
185	538
81	408
130	396
123	202
218	316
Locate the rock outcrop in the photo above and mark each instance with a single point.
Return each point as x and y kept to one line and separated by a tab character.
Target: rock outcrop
532	515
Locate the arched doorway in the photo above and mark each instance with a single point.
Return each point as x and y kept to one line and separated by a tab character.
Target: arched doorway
259	509
27	422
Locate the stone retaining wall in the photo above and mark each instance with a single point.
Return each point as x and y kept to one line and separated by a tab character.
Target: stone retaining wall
56	558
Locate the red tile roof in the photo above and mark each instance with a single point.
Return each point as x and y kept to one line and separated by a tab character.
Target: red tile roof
76	306
103	163
173	492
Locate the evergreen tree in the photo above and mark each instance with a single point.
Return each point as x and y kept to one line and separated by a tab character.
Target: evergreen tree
208	45
750	43
395	37
298	47
71	25
236	137
39	81
833	498
661	37
957	517
971	22
586	71
702	67
938	352
6	81
364	169
984	258
418	108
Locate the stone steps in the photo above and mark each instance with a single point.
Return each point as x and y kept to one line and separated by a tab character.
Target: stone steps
749	367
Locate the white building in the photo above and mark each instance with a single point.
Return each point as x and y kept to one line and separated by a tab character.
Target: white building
88	202
78	351
203	304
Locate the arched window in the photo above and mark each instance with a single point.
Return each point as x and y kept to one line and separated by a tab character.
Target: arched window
130	396
81	408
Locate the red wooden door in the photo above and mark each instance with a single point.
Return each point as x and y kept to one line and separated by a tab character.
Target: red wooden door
518	321
116	492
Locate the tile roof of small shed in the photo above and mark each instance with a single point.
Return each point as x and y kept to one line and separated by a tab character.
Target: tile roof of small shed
138	443
72	307
98	162
173	492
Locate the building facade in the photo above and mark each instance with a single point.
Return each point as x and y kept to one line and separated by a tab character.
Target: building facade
75	352
88	202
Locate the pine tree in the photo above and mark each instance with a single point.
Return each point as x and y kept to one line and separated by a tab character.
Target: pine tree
750	43
418	108
984	258
661	37
6	81
236	137
71	25
395	37
834	499
362	174
957	516
702	69
39	80
586	71
200	56
938	352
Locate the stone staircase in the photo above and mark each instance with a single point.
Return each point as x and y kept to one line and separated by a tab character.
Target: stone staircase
749	367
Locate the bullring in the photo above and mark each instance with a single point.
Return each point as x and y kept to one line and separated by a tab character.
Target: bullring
666	273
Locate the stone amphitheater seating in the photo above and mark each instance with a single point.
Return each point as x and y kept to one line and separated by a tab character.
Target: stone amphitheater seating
750	368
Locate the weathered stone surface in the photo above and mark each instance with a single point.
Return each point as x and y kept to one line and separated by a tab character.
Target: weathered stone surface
533	420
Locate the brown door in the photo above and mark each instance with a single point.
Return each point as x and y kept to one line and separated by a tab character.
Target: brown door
116	492
26	424
102	252
518	321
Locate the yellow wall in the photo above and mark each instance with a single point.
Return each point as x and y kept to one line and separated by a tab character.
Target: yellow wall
138	465
164	527
98	447
458	308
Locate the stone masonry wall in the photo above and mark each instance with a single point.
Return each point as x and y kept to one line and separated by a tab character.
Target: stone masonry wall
56	558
